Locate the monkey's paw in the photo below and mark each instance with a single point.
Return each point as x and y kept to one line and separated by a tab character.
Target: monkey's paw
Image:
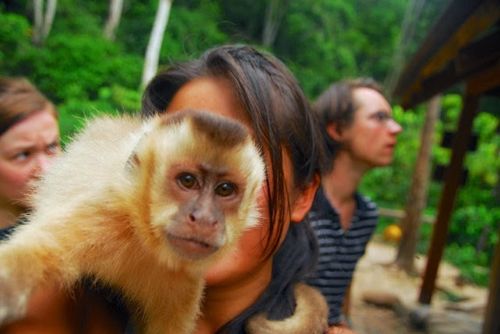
13	300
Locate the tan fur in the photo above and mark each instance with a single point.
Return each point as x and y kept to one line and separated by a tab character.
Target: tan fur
105	206
310	316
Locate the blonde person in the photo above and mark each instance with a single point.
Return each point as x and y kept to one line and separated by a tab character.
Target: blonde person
29	140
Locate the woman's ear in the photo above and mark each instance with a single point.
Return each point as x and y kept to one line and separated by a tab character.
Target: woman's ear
303	202
334	131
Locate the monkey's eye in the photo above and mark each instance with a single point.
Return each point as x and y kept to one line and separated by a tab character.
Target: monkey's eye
187	180
225	189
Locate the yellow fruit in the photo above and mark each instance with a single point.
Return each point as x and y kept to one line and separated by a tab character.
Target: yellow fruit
393	233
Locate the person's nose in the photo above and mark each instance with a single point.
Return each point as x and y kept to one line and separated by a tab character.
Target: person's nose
43	162
394	127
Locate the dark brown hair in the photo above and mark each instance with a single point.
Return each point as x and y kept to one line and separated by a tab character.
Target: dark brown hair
18	99
337	105
274	103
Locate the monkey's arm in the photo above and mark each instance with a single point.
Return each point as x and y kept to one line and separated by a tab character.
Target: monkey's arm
31	257
25	260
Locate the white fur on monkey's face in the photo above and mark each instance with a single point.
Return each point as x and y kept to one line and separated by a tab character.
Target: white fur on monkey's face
203	191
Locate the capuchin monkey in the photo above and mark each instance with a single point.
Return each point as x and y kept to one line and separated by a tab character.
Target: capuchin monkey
142	206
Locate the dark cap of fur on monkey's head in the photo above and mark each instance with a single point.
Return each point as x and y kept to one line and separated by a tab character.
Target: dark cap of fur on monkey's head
193	135
221	130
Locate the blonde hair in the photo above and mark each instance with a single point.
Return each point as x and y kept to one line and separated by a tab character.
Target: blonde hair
18	99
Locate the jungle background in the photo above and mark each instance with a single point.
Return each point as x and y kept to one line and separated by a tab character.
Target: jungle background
86	70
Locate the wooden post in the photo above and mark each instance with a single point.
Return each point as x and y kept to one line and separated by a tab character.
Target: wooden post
448	195
491	317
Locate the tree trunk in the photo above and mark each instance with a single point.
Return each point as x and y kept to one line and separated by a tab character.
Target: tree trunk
115	13
154	46
38	21
275	12
50	13
43	23
417	199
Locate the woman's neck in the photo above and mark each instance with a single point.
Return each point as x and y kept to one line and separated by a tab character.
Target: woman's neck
225	302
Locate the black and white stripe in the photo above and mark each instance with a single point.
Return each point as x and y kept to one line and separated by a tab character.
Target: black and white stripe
339	250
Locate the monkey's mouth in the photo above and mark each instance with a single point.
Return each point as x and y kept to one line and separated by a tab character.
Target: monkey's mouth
191	247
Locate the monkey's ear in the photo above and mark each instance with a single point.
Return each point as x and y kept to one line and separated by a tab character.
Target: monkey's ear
138	138
133	162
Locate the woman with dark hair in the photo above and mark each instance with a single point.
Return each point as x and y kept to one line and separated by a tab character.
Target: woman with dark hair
257	90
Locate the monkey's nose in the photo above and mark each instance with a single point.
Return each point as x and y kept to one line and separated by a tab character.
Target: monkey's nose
200	217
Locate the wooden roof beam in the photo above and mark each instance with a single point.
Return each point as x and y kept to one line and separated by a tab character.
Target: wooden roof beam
485	81
445	27
473	59
460	23
485	16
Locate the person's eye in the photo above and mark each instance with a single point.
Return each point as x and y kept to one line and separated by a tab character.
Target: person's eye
22	156
381	116
225	189
53	148
187	180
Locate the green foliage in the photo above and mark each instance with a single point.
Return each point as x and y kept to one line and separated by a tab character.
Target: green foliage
135	27
324	30
245	21
111	100
77	66
473	264
15	43
380	25
476	225
79	16
325	41
484	163
191	32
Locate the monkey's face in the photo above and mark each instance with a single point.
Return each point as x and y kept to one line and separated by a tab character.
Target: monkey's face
205	195
207	174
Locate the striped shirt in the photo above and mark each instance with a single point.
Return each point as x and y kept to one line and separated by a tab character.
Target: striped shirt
339	250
